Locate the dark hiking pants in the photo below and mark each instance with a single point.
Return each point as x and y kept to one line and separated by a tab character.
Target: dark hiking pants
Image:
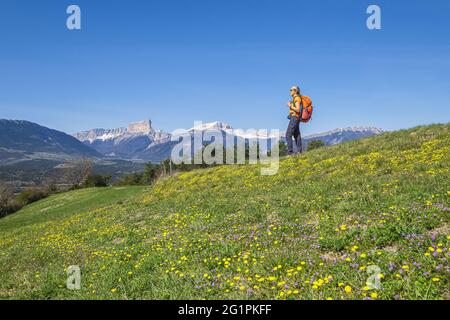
293	130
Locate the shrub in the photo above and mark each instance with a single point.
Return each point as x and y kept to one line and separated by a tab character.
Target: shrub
283	148
97	180
30	195
315	144
150	173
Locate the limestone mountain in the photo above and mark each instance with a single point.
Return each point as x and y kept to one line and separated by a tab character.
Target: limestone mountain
140	141
127	143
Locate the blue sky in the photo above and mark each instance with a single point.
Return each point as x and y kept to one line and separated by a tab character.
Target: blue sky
229	60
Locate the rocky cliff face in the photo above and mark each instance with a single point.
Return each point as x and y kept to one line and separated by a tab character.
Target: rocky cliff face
135	128
144	127
126	143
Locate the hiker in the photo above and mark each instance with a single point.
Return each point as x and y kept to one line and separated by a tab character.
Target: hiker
300	110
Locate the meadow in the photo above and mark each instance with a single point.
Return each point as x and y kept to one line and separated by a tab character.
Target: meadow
332	223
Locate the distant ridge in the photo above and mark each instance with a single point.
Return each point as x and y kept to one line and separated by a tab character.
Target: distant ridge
20	139
348	129
340	135
140	141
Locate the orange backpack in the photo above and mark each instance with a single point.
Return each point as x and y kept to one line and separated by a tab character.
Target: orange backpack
306	109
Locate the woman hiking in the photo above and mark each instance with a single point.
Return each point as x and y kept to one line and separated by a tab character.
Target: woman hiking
300	110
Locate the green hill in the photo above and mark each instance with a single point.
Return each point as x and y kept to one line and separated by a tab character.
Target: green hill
319	229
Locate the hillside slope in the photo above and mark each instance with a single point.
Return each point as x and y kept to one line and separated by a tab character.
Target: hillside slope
331	219
21	139
63	205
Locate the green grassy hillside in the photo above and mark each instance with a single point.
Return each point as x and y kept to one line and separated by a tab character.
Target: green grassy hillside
63	205
319	229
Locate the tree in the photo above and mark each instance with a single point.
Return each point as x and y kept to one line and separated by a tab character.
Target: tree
97	180
150	173
31	195
5	195
283	148
315	144
7	203
78	172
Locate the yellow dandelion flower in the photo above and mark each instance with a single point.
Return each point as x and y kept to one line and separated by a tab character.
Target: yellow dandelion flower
348	289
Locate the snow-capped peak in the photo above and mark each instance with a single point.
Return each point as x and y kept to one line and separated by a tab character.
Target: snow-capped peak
372	130
216	125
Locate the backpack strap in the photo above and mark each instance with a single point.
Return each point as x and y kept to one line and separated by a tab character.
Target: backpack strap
301	105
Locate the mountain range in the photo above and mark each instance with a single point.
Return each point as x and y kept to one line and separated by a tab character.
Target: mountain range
21	139
133	142
340	135
139	141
